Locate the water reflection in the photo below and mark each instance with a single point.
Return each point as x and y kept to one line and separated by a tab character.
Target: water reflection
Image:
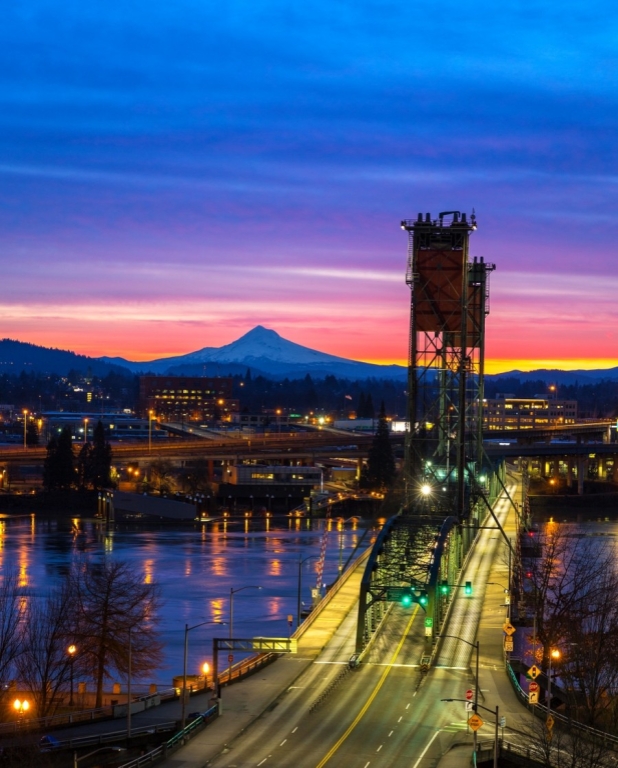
195	568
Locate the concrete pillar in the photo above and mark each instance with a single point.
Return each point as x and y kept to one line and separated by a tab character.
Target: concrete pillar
569	471
601	468
582	465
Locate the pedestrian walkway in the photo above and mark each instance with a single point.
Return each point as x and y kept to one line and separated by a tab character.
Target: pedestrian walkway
495	689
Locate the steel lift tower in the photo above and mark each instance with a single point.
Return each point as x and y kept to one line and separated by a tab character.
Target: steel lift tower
449	304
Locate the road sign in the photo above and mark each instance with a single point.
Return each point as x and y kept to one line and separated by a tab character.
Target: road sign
469	694
230	657
532	686
503	722
508	628
549	723
533	672
429	621
533	697
475	722
508	644
469	706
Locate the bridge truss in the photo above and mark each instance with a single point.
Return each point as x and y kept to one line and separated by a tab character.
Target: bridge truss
448	484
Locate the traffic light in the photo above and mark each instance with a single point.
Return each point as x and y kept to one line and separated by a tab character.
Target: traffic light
468	588
423	599
444	587
406	599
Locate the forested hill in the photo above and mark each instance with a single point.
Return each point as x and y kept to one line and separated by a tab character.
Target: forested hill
18	356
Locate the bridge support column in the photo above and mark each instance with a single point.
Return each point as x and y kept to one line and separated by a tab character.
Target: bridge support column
582	465
601	468
569	471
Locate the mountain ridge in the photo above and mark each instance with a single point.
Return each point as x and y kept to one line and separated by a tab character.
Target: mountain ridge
261	350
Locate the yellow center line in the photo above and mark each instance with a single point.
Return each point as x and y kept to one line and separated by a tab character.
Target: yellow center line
374	693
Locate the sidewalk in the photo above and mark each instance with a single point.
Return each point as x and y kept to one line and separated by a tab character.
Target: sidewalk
495	689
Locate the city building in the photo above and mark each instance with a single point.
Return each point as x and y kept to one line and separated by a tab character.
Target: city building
186	398
505	412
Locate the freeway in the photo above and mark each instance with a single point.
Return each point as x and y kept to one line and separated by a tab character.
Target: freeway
385	713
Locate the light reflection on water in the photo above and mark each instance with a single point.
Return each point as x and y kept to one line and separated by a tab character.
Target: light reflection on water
195	567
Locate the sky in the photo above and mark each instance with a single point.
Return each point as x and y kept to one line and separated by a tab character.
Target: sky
173	174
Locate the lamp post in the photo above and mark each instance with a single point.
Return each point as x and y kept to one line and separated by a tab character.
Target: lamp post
300	571
496	713
476	676
85	431
554	653
507	596
71	651
150	431
184	668
232	593
25	427
21	707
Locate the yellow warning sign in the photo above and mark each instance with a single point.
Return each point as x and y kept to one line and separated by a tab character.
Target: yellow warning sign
475	722
508	628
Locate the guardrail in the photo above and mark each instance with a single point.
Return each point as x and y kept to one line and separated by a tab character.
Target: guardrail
73	718
176	741
540	710
105	738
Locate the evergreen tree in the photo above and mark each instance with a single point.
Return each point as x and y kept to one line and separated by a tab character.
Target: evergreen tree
59	469
381	463
100	459
369	409
360	408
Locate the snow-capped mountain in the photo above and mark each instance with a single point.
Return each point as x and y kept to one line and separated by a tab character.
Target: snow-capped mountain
263	350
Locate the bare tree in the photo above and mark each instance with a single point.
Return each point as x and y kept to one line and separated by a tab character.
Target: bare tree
117	608
45	663
11	610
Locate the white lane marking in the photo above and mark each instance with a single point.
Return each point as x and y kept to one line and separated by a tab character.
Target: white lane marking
295	729
263	761
400	719
407	705
379	748
425	750
390	734
283	742
367	765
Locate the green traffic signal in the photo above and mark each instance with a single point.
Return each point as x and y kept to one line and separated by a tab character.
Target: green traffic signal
444	587
468	588
423	599
406	600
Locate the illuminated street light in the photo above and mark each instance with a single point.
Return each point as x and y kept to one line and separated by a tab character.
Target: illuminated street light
21	707
85	430
425	489
205	668
71	651
25	427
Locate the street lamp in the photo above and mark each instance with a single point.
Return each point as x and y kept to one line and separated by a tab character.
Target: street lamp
184	668
21	707
25	427
300	571
71	651
507	595
150	431
232	593
554	653
85	430
476	687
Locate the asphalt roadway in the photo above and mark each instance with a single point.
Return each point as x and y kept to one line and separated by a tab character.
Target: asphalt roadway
325	645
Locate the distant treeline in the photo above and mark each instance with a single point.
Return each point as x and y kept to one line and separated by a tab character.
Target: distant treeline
38	391
597	400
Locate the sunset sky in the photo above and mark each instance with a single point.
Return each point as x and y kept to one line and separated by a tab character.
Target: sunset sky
173	174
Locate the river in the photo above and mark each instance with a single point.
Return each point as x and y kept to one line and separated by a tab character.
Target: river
196	567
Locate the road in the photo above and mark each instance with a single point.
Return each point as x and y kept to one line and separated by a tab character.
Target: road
384	713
